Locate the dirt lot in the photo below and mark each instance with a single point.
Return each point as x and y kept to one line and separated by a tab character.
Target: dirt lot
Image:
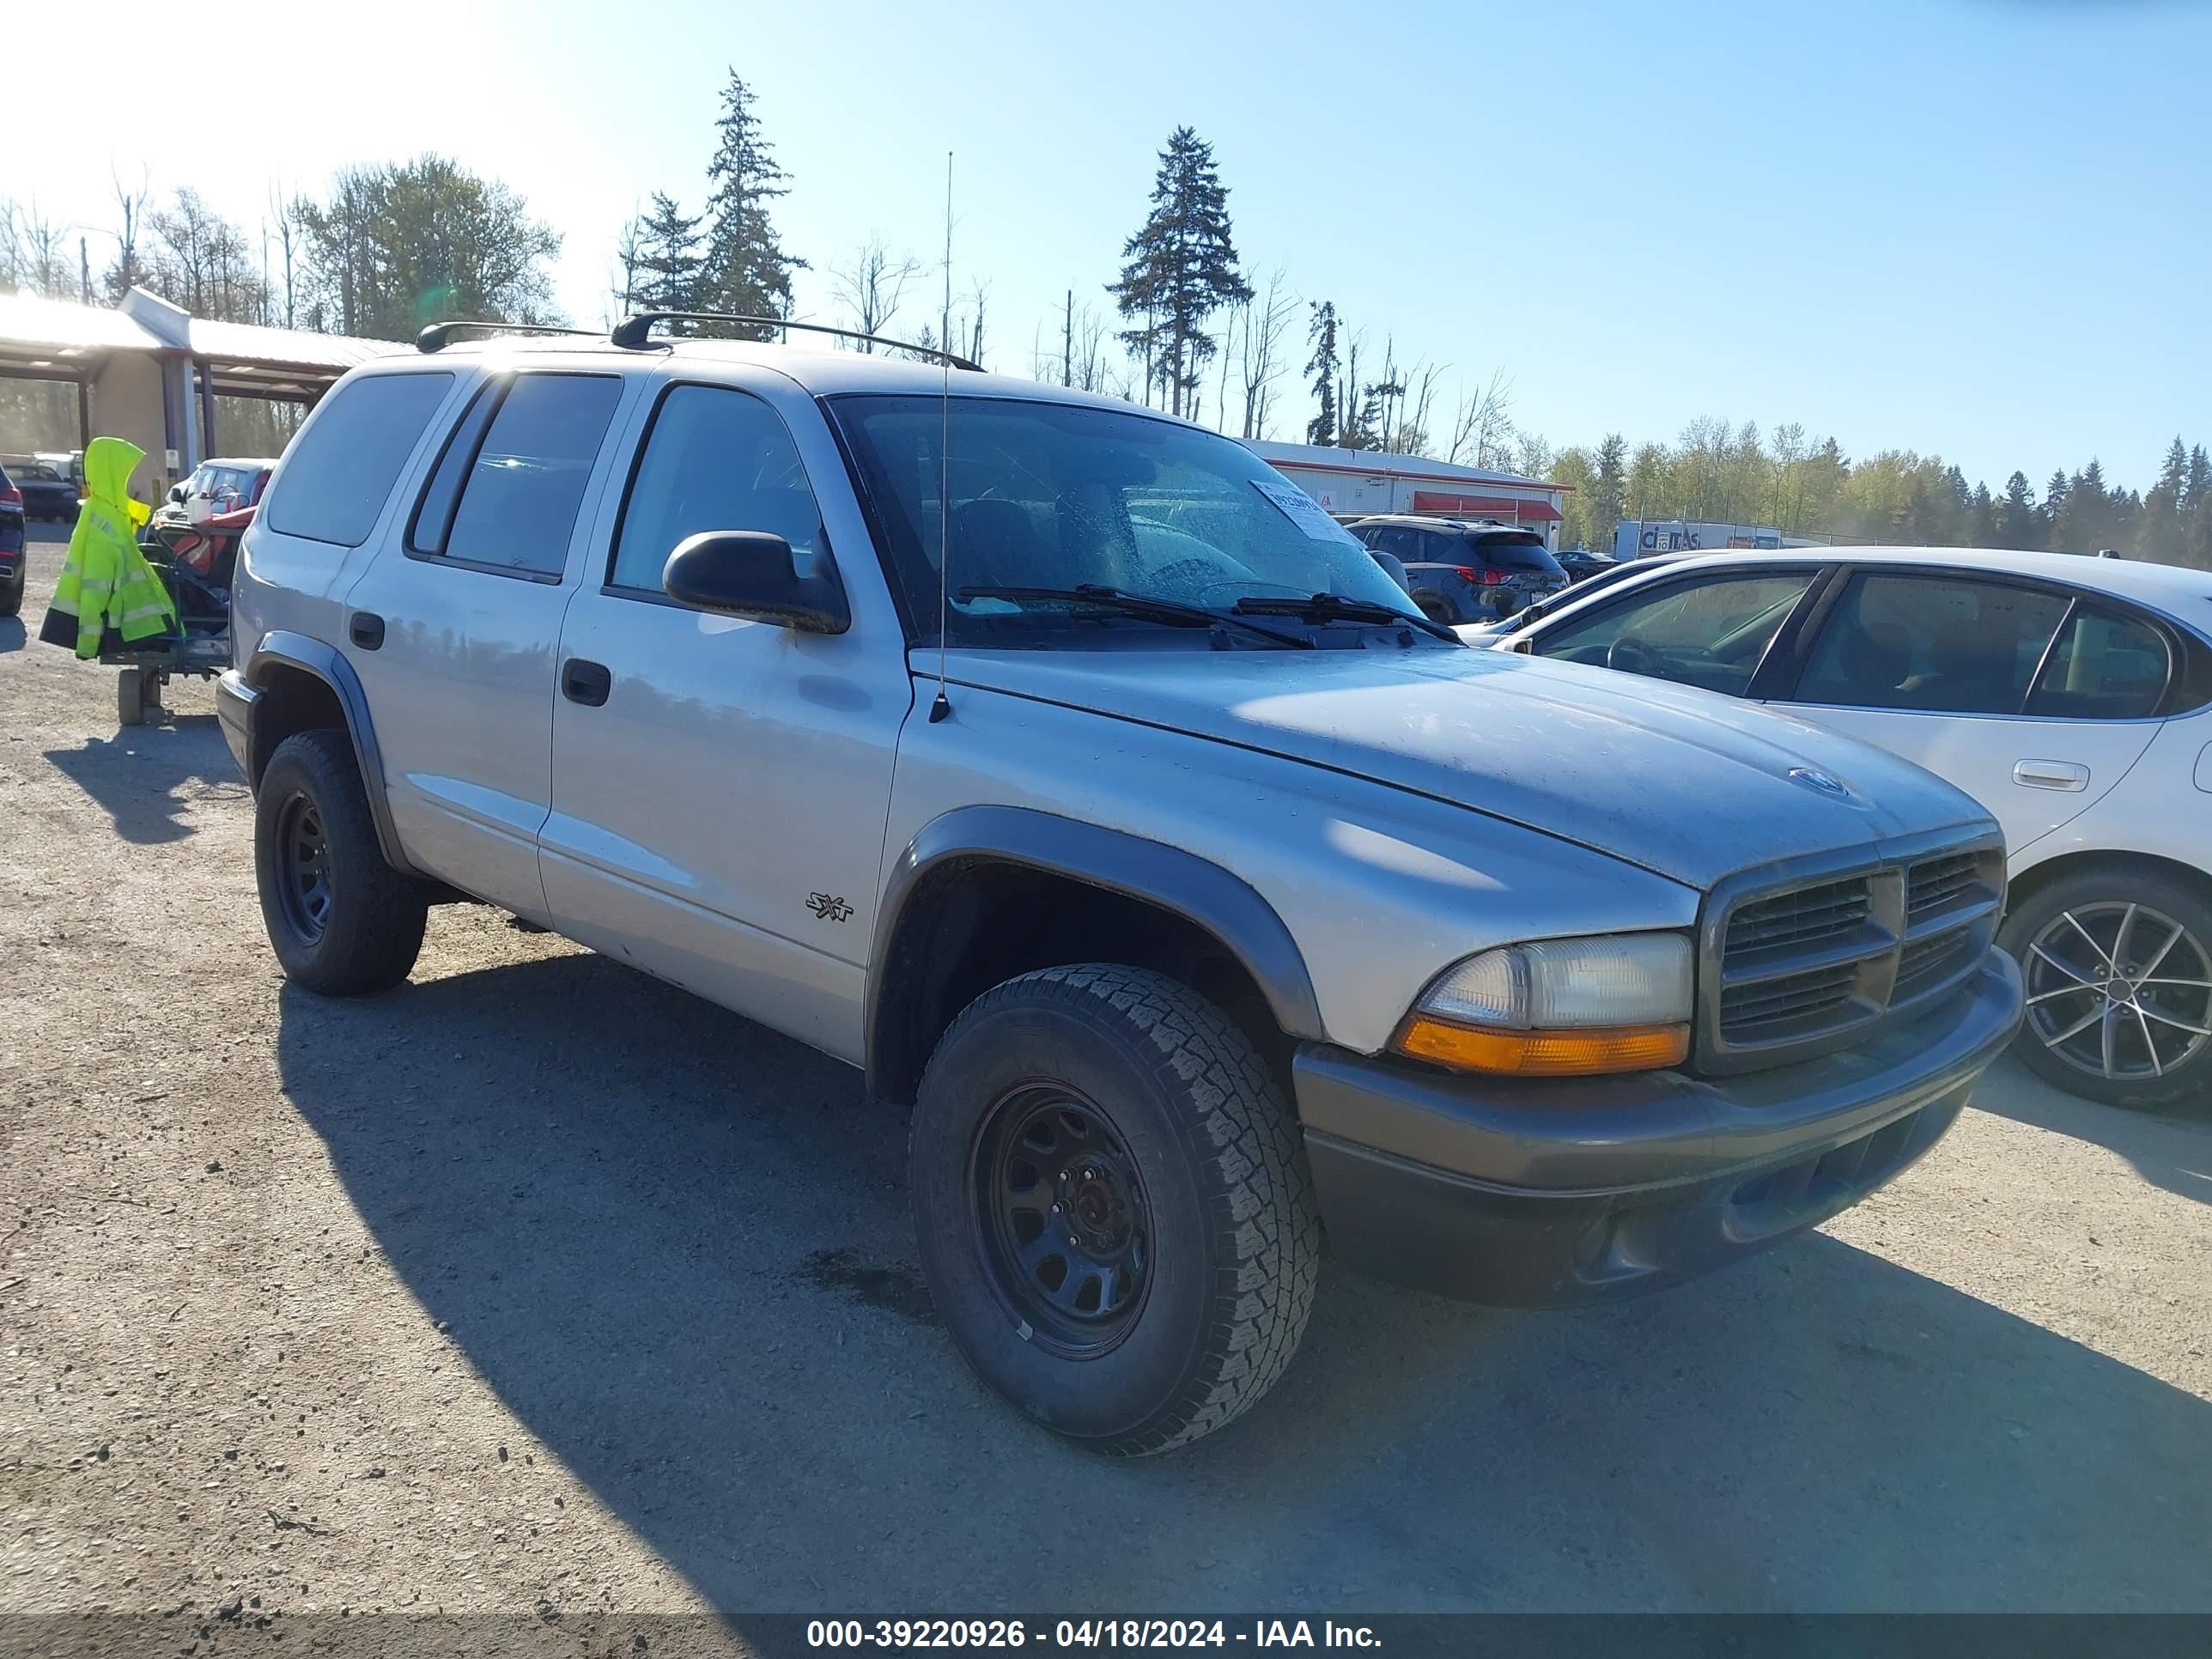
539	1286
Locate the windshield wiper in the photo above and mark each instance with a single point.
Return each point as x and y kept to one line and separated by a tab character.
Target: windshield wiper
1334	607
1174	612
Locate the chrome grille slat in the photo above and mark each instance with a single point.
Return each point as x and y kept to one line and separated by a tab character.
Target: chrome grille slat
1799	967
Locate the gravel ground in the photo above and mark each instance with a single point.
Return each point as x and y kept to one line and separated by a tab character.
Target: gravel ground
540	1288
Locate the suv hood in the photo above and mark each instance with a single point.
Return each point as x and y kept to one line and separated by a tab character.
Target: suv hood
1686	783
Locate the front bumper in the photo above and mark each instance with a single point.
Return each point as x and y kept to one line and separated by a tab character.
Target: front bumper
1545	1194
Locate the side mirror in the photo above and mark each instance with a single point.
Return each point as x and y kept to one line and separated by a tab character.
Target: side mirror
752	573
177	494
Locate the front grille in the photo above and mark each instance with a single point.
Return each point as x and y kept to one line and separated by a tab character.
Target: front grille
1793	969
1936	884
1795	921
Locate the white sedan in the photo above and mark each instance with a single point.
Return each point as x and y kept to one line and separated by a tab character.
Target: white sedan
2072	696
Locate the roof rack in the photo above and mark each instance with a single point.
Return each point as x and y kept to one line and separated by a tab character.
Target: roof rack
633	330
439	336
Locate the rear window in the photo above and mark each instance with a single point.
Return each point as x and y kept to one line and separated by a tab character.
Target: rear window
345	462
1515	553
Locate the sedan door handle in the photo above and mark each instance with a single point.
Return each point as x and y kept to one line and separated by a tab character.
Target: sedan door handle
2050	774
586	682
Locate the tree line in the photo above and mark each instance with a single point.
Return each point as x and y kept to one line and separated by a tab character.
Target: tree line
1783	480
1191	328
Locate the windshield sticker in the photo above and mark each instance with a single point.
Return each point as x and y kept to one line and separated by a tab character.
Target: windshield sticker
1302	510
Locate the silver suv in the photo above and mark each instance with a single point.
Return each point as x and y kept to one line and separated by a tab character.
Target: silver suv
1067	770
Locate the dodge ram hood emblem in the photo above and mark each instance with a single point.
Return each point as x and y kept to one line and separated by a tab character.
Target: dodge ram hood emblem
1813	779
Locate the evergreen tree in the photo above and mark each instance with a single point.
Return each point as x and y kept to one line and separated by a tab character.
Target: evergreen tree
1180	268
1607	490
745	269
2018	526
1981	518
1323	366
668	259
2053	509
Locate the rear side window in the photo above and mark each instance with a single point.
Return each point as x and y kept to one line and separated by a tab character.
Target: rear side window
346	462
505	494
716	458
1936	644
2103	666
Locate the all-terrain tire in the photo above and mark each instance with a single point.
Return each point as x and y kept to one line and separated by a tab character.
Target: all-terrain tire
2100	897
371	916
1216	1155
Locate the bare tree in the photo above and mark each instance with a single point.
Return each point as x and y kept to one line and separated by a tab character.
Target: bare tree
874	284
130	206
629	251
1260	360
33	251
1482	427
1532	455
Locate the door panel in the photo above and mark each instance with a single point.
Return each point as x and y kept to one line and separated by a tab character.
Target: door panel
720	795
1994	684
463	680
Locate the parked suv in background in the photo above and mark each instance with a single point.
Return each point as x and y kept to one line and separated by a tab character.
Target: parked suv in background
214	490
12	552
1192	889
1466	572
2071	697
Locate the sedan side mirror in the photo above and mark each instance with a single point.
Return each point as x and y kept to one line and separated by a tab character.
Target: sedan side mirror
752	573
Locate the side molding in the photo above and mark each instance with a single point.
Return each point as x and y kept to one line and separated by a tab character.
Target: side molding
282	649
1203	893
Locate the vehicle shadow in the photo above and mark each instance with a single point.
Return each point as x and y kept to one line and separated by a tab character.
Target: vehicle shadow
676	1246
13	634
2172	1150
141	775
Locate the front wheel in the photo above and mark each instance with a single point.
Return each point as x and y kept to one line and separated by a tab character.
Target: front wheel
1113	1206
2118	964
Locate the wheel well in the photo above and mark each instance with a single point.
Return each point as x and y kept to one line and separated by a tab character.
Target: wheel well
975	923
2035	880
293	701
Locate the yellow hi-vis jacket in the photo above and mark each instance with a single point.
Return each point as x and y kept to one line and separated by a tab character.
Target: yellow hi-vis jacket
105	583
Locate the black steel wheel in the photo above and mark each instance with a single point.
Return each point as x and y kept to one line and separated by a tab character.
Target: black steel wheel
2118	966
1061	1219
341	919
303	859
1112	1206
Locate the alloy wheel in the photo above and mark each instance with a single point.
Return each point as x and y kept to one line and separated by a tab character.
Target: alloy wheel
2119	991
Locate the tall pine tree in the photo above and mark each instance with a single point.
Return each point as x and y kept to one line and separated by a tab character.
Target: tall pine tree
1179	269
667	258
2018	527
745	268
1324	367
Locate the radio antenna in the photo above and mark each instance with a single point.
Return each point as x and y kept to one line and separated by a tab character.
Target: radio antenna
942	707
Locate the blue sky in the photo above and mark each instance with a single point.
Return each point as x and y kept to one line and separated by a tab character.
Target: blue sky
1971	229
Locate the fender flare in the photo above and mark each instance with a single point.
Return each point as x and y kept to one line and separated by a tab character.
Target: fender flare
1203	893
280	648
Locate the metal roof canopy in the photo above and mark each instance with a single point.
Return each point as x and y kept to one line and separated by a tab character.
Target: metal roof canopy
61	340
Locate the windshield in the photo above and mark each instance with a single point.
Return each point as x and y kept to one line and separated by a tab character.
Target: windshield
1057	496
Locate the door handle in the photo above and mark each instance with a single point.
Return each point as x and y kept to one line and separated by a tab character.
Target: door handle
2050	774
586	682
366	629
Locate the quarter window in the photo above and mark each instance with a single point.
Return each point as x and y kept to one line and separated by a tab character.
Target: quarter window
2104	666
1931	643
715	458
336	479
1711	634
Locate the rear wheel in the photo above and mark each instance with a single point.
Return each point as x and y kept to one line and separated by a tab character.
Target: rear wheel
11	594
2118	964
1113	1206
129	697
342	920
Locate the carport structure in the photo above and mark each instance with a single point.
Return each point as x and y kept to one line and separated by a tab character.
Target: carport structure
149	371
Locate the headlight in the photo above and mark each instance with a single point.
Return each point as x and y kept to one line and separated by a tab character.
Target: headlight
1571	1007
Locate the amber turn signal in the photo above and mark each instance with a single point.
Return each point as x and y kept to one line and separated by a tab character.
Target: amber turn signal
1589	1053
